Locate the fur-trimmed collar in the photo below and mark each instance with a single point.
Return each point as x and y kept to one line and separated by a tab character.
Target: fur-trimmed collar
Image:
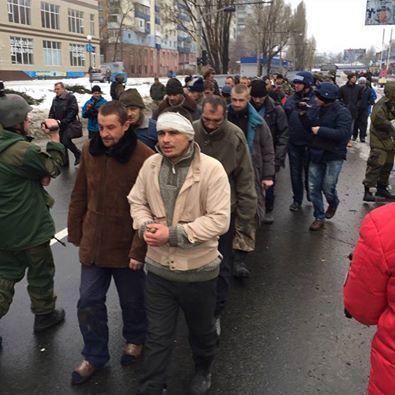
121	151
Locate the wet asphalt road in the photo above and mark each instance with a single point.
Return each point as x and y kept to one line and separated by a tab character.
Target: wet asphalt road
283	331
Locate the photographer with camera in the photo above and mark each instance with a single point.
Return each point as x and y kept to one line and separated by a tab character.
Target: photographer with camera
26	226
91	108
298	152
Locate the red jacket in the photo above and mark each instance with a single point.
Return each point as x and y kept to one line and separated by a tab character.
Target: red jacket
369	293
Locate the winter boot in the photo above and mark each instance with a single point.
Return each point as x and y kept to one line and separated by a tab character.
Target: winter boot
201	382
368	196
382	191
45	321
268	219
240	269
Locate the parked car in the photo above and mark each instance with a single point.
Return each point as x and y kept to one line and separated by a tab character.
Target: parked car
97	75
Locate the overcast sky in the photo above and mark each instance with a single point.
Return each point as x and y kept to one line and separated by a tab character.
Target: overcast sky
340	24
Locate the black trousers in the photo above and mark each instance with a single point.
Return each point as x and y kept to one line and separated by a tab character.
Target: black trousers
361	125
164	298
68	143
225	247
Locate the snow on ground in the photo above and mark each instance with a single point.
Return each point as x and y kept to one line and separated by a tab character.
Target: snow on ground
39	89
43	89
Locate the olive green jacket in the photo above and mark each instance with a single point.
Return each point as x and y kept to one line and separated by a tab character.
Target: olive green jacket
24	204
382	115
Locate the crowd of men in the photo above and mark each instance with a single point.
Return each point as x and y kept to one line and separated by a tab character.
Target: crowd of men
172	227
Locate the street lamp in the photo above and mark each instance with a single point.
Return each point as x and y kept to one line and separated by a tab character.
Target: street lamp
89	38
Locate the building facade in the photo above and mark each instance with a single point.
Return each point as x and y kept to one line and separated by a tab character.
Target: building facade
145	37
48	38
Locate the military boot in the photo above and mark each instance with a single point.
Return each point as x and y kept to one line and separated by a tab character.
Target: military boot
201	382
45	321
240	269
382	191
368	196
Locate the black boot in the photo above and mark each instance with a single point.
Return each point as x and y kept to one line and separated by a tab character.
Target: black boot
239	266
368	196
382	191
45	321
201	382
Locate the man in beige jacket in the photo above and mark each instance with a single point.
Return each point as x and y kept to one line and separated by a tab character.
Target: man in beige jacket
180	205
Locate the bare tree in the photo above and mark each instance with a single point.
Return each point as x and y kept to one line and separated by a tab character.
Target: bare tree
208	22
270	27
124	13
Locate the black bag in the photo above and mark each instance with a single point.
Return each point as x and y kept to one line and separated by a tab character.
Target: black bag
74	129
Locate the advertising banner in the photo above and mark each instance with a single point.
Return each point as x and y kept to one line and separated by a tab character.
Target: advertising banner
380	12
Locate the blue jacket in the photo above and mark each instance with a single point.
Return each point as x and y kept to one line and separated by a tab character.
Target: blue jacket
296	131
146	132
331	141
91	113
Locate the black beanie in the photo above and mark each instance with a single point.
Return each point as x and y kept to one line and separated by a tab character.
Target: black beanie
174	87
258	88
96	88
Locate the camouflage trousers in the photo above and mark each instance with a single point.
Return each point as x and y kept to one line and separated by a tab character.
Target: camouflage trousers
379	166
40	273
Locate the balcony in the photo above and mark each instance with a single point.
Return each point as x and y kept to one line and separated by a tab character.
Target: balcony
141	15
183	49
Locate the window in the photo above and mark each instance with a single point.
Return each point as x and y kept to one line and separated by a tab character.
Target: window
21	50
19	11
52	53
49	15
77	53
92	25
76	21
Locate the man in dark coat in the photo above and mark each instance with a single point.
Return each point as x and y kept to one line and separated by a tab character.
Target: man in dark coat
366	100
157	91
100	225
177	98
328	129
64	109
350	95
225	142
260	144
276	119
298	152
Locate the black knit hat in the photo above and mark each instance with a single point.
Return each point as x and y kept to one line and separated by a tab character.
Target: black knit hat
258	88
196	85
131	98
174	87
96	88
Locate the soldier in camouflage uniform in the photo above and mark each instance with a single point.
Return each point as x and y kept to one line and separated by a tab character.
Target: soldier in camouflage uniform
26	225
382	147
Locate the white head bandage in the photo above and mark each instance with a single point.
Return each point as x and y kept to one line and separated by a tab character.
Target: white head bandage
174	121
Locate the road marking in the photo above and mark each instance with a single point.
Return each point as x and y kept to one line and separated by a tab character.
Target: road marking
60	235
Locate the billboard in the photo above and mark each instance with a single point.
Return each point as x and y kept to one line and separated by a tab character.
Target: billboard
380	12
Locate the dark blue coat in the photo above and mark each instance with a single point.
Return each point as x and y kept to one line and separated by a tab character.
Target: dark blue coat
331	141
146	132
296	130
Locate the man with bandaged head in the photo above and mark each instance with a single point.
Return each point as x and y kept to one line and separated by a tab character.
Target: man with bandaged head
180	205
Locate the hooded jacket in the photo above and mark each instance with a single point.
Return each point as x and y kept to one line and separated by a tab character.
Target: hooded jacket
383	113
99	221
25	220
369	293
228	145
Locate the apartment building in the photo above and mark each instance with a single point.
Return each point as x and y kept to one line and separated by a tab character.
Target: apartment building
141	34
48	38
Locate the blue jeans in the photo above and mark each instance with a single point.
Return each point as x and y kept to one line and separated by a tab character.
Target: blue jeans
298	164
92	311
323	178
